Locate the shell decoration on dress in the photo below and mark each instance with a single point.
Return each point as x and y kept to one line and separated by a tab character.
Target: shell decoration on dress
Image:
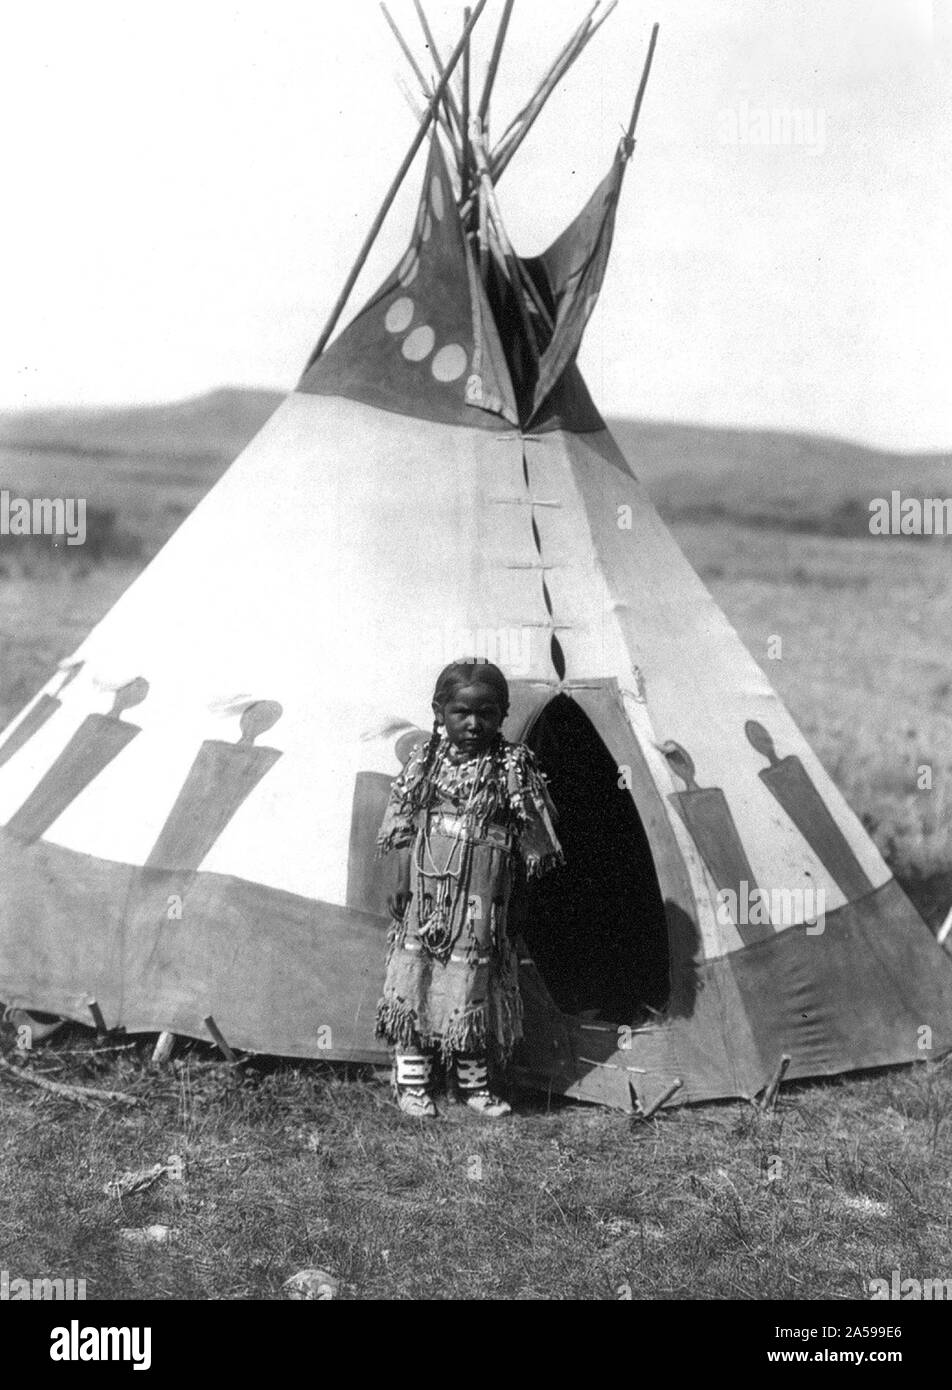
509	789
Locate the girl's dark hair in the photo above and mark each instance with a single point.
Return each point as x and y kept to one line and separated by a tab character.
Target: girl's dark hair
452	678
460	673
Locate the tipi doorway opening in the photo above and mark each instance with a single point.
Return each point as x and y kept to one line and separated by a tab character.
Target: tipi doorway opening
596	928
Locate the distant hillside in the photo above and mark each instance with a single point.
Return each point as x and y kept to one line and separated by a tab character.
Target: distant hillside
214	426
154	462
767	478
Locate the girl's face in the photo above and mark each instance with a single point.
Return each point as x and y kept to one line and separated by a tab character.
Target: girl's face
471	717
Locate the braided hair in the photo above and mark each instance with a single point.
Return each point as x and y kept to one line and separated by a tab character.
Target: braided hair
469	671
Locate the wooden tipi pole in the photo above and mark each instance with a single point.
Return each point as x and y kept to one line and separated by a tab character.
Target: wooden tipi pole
570	43
451	107
642	84
418	139
510	142
519	127
464	151
425	87
483	111
407	51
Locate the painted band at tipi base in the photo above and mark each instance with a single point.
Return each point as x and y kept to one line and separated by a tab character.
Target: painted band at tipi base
189	808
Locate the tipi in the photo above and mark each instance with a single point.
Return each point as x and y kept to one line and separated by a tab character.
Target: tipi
188	809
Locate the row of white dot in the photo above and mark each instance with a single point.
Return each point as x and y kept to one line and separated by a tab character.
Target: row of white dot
449	363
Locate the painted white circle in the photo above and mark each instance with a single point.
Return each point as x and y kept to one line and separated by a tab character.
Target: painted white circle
419	343
427	228
450	362
399	315
436	198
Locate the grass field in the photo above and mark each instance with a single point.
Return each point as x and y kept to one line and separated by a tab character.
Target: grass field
290	1167
287	1166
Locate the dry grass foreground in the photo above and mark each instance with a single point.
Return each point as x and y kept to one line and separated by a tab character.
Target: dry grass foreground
285	1166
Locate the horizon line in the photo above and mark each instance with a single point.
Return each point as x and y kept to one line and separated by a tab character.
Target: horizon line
8	413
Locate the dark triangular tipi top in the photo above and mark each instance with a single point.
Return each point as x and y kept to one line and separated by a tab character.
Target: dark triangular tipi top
464	331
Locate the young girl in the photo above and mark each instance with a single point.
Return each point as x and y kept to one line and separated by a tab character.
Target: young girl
464	806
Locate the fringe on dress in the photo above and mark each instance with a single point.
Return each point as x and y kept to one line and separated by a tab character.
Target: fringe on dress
452	979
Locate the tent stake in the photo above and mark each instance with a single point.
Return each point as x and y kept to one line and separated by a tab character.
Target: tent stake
371	237
163	1049
662	1099
216	1035
97	1015
770	1095
943	932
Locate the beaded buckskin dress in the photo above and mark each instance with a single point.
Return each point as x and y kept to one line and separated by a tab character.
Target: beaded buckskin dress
452	979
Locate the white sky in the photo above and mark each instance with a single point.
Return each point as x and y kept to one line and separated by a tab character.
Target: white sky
188	183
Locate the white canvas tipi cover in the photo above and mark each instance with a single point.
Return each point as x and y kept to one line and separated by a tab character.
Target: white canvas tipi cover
188	809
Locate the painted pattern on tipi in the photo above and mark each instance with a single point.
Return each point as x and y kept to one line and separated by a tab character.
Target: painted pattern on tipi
425	344
98	740
707	816
38	714
221	777
789	783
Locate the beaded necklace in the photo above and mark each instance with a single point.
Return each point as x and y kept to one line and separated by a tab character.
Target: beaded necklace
437	929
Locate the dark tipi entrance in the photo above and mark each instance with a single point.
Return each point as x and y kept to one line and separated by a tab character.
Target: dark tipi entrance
596	928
